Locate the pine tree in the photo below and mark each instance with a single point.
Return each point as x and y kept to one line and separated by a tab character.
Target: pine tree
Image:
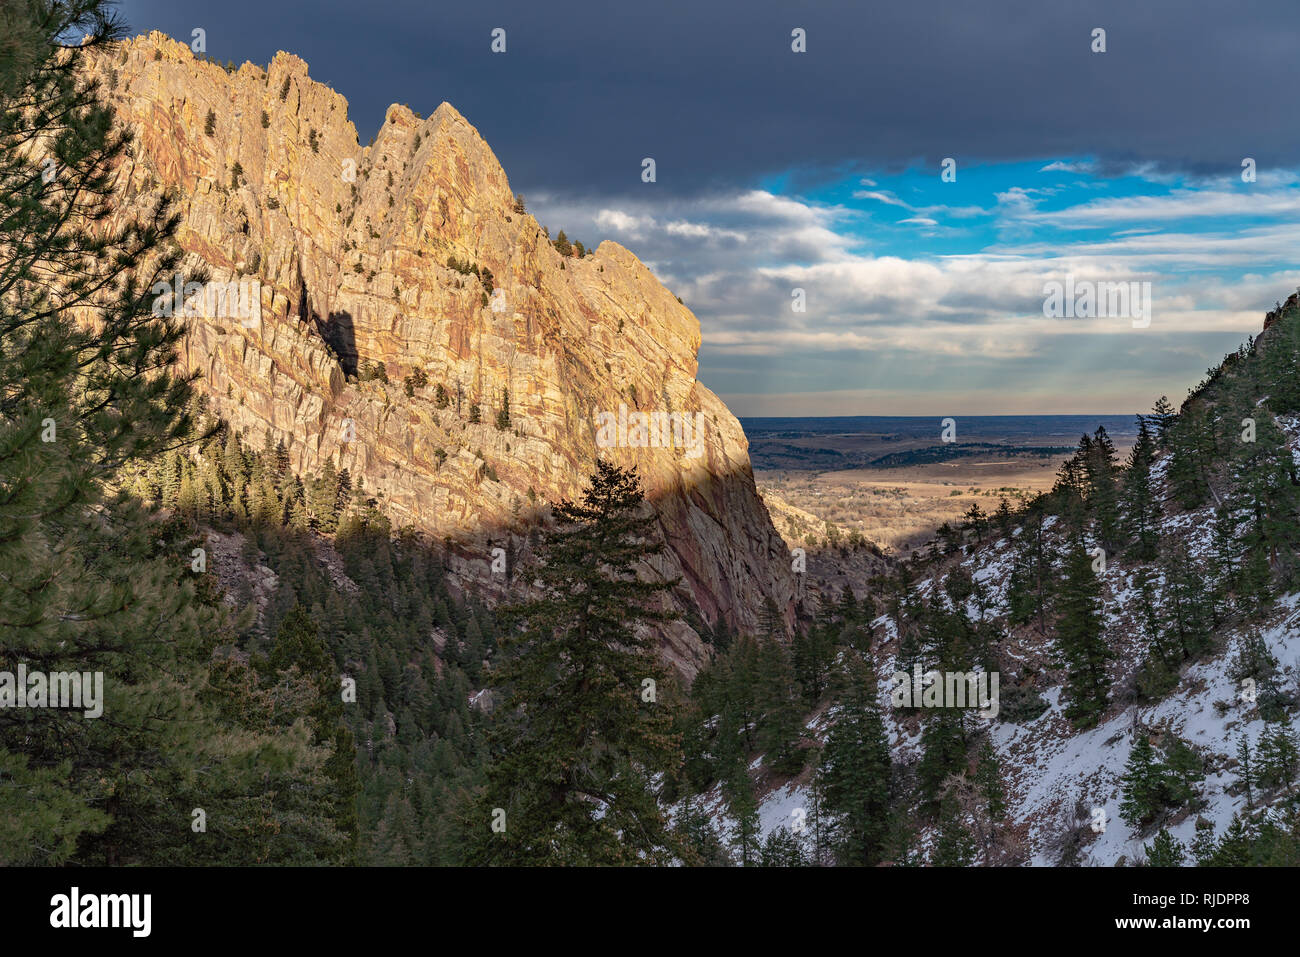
1029	591
1202	849
1245	770
1186	617
901	841
1233	849
1004	518
1164	851
503	414
700	836
953	845
1162	417
577	740
1277	755
91	580
781	727
53	371
1184	769
1159	672
984	800
298	647
943	744
1102	489
813	655
856	767
1254	662
323	499
988	776
1143	784
739	792
1266	501
1080	641
1189	462
781	849
1141	509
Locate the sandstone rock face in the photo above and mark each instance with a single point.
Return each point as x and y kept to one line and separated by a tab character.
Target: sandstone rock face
350	247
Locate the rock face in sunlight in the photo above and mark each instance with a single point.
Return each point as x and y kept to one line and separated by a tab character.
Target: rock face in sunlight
350	247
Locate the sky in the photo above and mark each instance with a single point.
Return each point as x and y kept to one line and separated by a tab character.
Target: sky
815	179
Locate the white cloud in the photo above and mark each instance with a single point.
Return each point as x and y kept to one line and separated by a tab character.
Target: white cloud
1062	167
1179	204
736	257
617	221
702	231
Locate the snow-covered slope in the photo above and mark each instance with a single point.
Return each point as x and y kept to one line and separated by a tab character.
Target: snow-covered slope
1055	776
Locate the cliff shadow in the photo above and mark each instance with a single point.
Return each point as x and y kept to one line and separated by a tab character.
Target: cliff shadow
340	335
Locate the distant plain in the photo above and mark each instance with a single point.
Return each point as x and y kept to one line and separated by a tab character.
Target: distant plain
893	480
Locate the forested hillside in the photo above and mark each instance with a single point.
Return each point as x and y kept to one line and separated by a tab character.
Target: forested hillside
1142	619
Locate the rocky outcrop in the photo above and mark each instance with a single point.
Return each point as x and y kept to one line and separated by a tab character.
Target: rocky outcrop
350	247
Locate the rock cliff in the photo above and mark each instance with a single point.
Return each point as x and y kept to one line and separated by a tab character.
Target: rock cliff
349	247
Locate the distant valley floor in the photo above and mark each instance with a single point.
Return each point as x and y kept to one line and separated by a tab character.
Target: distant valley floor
893	480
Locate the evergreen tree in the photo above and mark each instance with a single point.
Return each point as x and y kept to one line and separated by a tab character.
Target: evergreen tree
298	647
1189	459
1029	589
1004	518
856	770
953	845
812	656
976	522
700	836
1233	849
943	744
91	581
782	849
1080	641
1266	503
1101	482
1164	851
323	500
988	776
1277	756
1202	849
1186	617
577	741
1184	769
1162	417
1254	663
1245	770
503	414
781	727
1141	509
739	792
1143	784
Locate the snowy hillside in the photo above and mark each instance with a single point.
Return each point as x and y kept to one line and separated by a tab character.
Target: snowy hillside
1064	786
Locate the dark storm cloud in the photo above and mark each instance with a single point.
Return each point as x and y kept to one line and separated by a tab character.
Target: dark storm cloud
714	94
